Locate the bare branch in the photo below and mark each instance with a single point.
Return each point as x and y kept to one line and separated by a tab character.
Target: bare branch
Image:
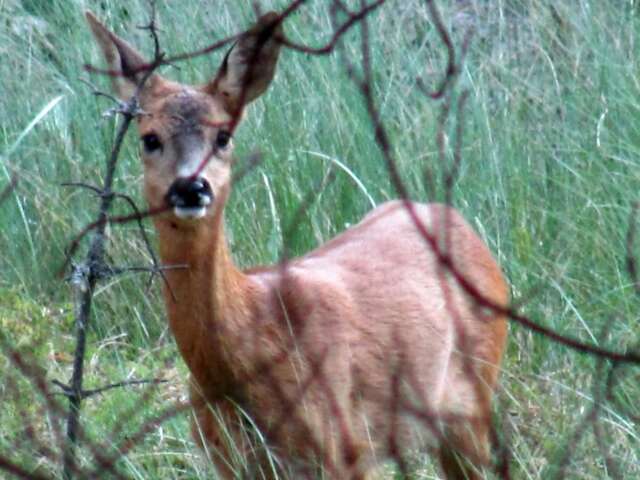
67	390
10	187
632	268
354	19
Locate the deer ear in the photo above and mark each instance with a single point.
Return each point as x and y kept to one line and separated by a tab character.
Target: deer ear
250	65
122	59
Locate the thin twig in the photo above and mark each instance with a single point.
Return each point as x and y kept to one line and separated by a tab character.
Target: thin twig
100	223
10	187
170	60
310	197
327	48
68	391
632	268
134	439
157	268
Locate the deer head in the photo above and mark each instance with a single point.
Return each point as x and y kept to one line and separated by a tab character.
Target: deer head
186	132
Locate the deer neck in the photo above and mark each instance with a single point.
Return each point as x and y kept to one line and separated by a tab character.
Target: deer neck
207	300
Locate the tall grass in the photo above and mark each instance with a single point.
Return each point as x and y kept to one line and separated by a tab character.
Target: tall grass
549	174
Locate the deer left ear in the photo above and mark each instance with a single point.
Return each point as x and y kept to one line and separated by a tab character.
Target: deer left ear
250	65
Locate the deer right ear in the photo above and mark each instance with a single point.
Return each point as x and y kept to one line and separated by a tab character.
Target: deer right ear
122	59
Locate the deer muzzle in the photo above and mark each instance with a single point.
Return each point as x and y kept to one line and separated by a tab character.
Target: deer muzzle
190	197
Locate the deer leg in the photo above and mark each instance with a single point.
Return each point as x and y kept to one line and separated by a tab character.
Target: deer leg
465	450
218	428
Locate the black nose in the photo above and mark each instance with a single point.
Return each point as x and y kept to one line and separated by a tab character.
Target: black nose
189	192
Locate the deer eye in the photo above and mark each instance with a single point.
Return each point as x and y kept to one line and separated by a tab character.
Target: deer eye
151	142
222	139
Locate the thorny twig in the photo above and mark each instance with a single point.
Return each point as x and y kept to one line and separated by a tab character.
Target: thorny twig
87	277
156	268
169	60
121	107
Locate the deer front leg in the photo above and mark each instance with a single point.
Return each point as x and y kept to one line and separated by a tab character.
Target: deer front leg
220	430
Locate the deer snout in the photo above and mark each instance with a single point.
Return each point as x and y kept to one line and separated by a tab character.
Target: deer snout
190	197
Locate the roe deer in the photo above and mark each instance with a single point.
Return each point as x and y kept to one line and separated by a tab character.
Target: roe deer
359	351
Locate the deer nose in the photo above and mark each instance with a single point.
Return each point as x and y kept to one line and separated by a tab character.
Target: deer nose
189	192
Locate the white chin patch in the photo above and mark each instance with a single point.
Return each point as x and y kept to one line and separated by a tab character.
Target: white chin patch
190	212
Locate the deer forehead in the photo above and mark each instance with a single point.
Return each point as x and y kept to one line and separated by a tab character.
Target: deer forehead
178	111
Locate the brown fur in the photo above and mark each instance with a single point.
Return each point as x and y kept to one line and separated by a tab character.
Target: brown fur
361	349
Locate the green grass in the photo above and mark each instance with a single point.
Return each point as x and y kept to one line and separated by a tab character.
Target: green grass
549	175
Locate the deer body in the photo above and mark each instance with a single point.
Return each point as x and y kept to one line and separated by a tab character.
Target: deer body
365	347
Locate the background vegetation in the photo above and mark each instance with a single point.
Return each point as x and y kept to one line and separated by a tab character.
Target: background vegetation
549	176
